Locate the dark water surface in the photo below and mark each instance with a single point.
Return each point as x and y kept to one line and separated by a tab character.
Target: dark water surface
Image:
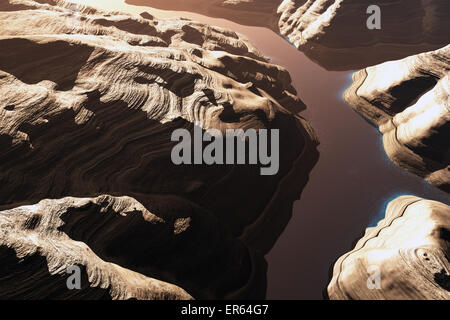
348	188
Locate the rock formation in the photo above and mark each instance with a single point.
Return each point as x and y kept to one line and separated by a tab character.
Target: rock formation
409	101
89	102
408	250
334	33
39	243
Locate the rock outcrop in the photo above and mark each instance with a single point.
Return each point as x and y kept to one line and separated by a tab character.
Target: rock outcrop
335	33
89	103
40	243
409	101
406	256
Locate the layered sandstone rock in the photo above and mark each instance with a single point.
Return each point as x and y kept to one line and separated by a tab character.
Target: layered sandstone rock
334	33
89	102
408	251
40	243
409	101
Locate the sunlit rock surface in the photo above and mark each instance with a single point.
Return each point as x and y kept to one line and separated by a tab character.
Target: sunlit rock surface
409	249
410	103
40	243
89	102
334	33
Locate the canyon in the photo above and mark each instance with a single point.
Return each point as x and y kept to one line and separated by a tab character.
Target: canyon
334	33
90	99
90	113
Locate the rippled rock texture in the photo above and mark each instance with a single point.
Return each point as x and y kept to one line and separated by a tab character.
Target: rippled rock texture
39	243
89	102
410	103
334	33
408	249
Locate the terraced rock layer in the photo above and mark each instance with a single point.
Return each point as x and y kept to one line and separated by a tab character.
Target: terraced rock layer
409	101
408	250
40	243
334	33
89	102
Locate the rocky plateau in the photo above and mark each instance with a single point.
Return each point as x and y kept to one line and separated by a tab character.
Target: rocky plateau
408	250
409	101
